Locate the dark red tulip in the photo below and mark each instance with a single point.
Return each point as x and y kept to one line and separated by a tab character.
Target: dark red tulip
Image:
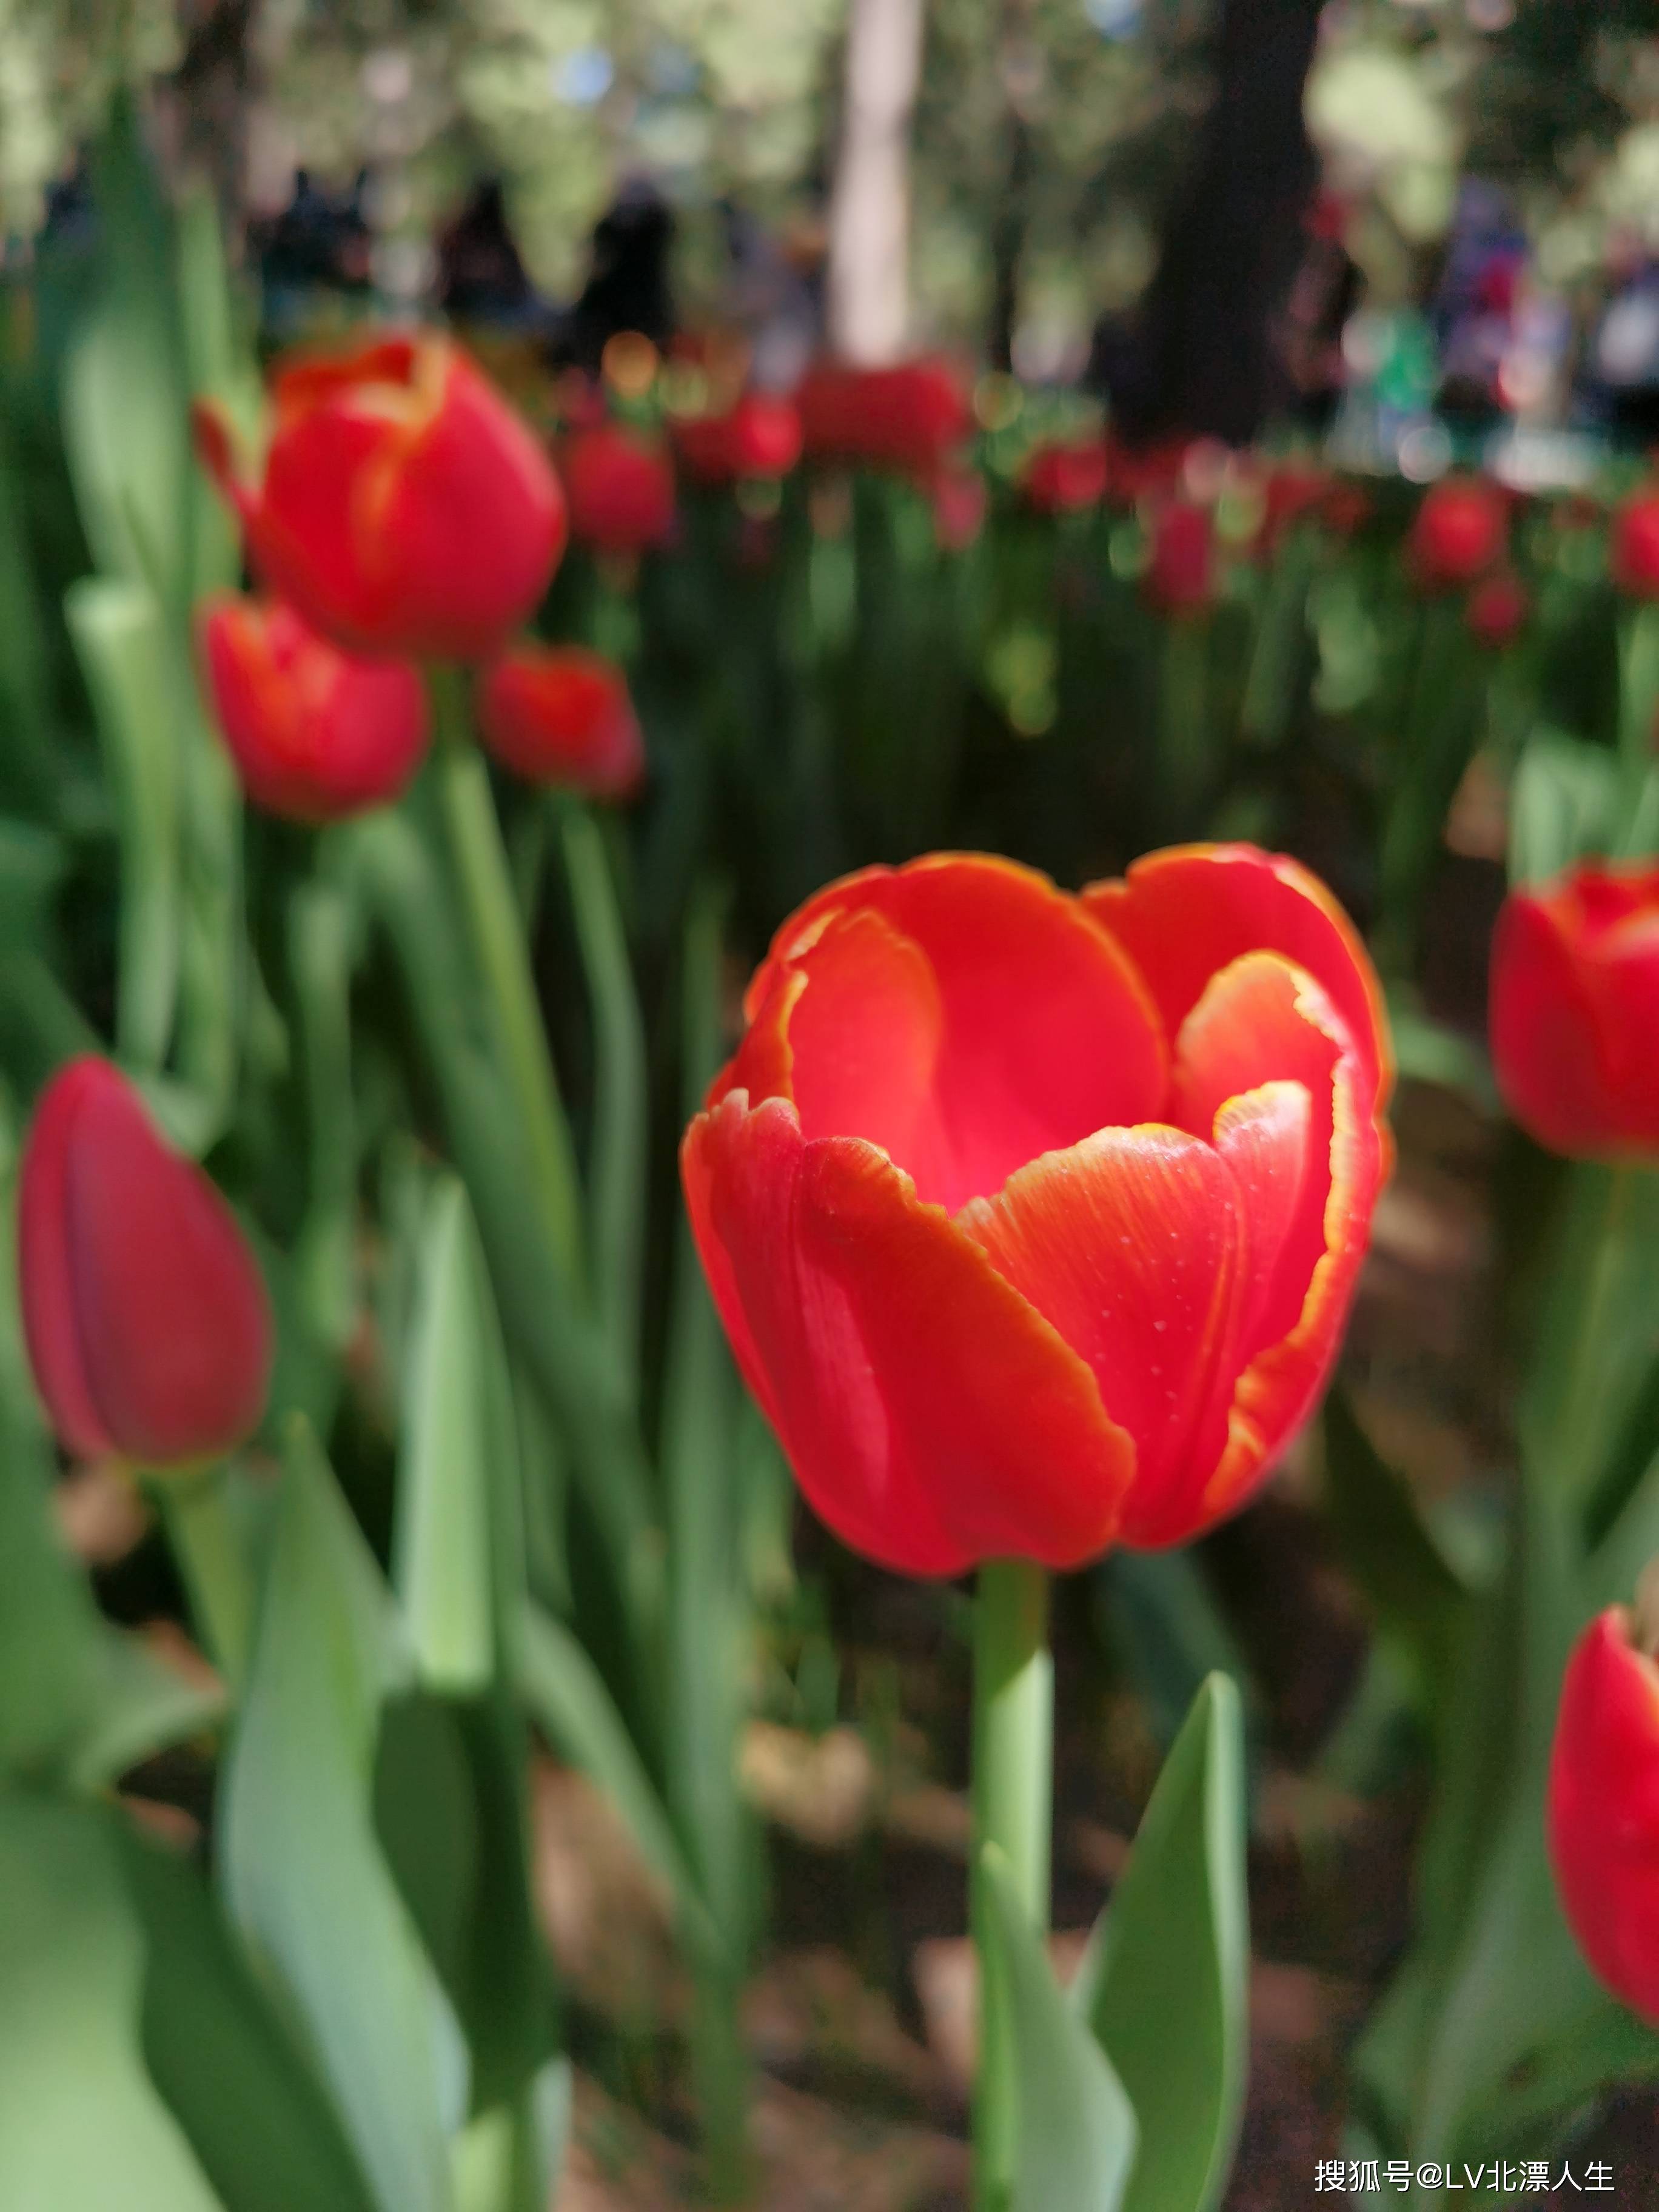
960	500
1179	577
1137	472
909	417
316	734
760	436
1034	1220
405	508
1458	532
1574	1010
1633	550
621	490
1062	479
559	715
1498	610
147	1322
1293	491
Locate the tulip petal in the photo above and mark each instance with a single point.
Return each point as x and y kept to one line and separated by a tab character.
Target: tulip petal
1130	1244
1184	913
933	1418
1036	1032
43	1261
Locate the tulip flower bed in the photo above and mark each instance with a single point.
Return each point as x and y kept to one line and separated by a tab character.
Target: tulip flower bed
801	1401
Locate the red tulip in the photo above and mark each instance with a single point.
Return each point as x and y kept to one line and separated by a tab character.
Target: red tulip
1292	491
405	510
1498	610
1633	551
1346	508
1458	532
1060	479
621	490
147	1323
1574	1014
1033	1220
559	715
316	734
1603	1819
960	500
1180	576
761	436
1138	472
909	417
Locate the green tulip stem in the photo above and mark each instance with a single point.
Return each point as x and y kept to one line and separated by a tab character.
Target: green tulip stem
195	1511
485	883
1013	1793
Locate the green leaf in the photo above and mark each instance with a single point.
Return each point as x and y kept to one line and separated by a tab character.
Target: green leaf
1158	1610
1164	1983
1562	804
81	2123
303	1875
1388	1546
1076	2126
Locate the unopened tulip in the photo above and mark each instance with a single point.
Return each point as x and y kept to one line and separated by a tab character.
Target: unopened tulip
404	509
1574	1010
1633	553
760	436
1034	1220
910	417
1603	1821
317	734
146	1319
1062	479
559	715
1179	577
1498	610
621	490
1457	533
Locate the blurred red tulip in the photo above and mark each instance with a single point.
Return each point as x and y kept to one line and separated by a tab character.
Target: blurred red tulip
1633	549
559	715
146	1318
959	499
1293	490
1574	1013
1060	479
1138	472
1179	577
405	510
1346	508
316	734
760	437
1603	1821
909	416
1498	610
1034	1220
1457	533
621	490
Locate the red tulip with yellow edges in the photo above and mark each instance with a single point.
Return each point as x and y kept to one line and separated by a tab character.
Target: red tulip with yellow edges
1034	1219
316	734
146	1319
404	509
1603	1807
561	715
621	490
1574	1010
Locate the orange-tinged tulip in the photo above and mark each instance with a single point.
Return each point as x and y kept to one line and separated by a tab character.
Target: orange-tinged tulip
1574	1010
316	734
621	490
1457	533
1633	550
1603	1821
559	715
760	436
1033	1220
405	508
910	417
147	1322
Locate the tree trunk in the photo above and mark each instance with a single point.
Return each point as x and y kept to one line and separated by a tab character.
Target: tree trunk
869	291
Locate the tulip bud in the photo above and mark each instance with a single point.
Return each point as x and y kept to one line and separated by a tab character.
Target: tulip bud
761	436
1603	1812
1181	573
1633	552
1458	532
404	509
907	417
146	1318
959	501
1574	1010
1498	610
559	715
1061	479
316	734
621	490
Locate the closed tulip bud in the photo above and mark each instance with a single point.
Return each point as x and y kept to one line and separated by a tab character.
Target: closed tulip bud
1498	610
1633	550
1034	1220
559	715
1458	533
1603	1810
909	417
1063	479
621	490
146	1319
1574	1011
760	436
1180	576
404	509
316	734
